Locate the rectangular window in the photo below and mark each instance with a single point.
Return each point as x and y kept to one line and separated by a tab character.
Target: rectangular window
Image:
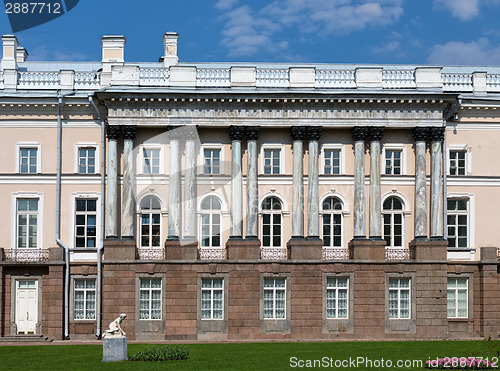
212	298
337	294
86	223
28	158
85	298
86	160
332	161
458	298
457	162
272	161
458	215
27	223
211	161
274	298
150	298
151	161
393	162
399	298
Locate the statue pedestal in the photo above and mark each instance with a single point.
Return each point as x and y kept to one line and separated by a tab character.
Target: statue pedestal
114	348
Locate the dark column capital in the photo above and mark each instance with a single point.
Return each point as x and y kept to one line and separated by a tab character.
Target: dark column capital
113	132
436	134
252	132
359	133
128	132
420	133
298	132
375	133
314	133
173	134
236	132
189	132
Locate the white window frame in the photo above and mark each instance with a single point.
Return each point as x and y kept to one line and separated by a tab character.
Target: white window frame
336	288
394	147
456	289
274	289
29	145
160	211
271	212
74	197
392	213
468	158
79	146
278	147
333	146
341	212
470	218
159	147
150	290
210	212
399	290
40	221
85	290
212	146
211	290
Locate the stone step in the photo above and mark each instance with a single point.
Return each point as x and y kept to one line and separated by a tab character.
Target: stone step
25	339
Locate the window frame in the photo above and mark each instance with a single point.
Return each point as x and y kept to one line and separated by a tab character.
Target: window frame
410	290
468	297
276	147
470	200
80	146
159	211
392	213
212	146
74	198
271	212
14	217
340	212
73	297
468	158
161	165
29	145
336	288
211	289
150	290
333	146
210	212
394	147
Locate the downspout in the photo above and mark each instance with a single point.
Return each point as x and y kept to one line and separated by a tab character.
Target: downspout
445	168
101	240
58	214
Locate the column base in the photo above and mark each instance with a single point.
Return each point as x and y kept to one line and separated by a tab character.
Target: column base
243	249
181	250
304	249
362	249
119	250
429	249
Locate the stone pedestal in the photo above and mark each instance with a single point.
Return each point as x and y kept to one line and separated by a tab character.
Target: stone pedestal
303	249
114	349
429	249
55	254
181	250
119	250
367	249
243	249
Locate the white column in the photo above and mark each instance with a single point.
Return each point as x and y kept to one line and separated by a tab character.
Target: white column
375	134
252	134
420	136
358	134
314	133
437	135
235	135
190	184
128	206
174	186
113	133
298	133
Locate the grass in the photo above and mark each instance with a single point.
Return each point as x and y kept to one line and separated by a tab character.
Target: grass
241	356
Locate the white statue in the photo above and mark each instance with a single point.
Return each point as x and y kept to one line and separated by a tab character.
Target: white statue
115	328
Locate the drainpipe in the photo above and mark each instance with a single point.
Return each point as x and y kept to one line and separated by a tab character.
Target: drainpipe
58	213
445	168
101	240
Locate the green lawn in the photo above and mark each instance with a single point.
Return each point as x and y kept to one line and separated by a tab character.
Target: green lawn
243	356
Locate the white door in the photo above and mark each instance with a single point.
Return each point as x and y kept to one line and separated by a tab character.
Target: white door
26	306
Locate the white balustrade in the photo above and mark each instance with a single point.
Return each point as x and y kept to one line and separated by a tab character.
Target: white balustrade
39	80
1	80
151	253
212	253
493	82
27	255
273	77
398	253
213	77
398	79
154	76
335	79
87	80
335	253
457	81
274	253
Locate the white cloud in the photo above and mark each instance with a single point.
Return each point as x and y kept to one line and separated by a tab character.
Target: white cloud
42	52
461	9
479	53
389	47
225	4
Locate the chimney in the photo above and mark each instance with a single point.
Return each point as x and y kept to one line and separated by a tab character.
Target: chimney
170	43
113	49
10	45
21	54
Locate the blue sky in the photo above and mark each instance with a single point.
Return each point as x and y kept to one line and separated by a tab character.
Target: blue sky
442	32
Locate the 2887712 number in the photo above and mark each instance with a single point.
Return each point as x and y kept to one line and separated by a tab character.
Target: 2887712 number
33	8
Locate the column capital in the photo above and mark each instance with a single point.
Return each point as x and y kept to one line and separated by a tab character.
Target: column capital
314	133
190	132
420	133
359	133
236	132
375	133
436	134
113	132
128	132
175	134
252	132
298	132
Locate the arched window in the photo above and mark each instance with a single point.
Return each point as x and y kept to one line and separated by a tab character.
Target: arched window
392	214
271	222
332	222
150	222
210	222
